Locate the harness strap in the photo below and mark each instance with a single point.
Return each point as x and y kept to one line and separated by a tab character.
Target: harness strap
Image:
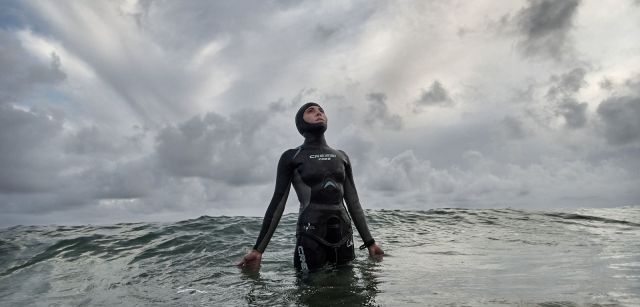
327	243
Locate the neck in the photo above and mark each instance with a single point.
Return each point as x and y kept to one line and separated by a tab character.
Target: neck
314	139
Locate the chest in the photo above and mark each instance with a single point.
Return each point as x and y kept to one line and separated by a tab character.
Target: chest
315	166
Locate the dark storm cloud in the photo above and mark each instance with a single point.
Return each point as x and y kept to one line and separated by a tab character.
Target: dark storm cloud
101	143
378	113
125	180
21	74
545	25
90	141
621	119
45	170
28	155
574	113
215	147
562	94
567	84
436	95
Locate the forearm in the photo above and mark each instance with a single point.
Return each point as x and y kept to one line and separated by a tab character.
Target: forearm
271	220
355	209
359	220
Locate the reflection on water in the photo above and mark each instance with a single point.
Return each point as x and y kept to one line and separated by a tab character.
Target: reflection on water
346	285
341	286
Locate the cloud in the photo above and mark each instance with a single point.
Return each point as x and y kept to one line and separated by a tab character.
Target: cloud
545	27
357	143
436	95
379	114
232	150
97	142
606	84
28	155
621	119
136	110
270	48
633	84
514	127
574	113
143	76
48	168
124	180
567	84
562	94
14	15
409	181
401	173
23	74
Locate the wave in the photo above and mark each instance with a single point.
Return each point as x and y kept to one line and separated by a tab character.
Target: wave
199	254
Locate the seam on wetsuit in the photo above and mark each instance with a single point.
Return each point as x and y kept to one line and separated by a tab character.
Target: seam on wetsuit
297	152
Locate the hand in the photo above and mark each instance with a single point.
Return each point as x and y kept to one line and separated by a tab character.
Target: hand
251	260
375	252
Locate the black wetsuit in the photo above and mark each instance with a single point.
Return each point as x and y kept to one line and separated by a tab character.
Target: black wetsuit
322	178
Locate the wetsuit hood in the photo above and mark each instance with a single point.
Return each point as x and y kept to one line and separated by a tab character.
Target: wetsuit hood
306	128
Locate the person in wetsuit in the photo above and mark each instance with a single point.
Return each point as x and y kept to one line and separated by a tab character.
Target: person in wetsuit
322	178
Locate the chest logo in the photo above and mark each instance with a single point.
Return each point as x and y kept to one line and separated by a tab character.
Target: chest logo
322	157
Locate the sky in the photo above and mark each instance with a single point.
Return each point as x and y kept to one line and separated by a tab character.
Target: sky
126	111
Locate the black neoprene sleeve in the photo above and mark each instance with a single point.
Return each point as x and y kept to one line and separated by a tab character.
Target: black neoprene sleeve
278	201
353	205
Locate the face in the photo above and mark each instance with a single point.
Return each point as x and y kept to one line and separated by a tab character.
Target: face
314	115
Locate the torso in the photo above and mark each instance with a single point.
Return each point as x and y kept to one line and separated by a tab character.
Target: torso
318	175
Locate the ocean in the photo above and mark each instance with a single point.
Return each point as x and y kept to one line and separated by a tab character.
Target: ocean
439	257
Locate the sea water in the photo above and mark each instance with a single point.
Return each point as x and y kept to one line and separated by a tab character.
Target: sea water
453	257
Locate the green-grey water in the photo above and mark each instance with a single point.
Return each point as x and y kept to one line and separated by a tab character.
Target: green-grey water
454	257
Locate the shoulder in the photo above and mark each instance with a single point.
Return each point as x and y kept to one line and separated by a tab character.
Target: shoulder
286	161
290	154
344	156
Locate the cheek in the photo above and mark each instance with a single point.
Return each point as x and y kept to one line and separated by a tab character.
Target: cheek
308	117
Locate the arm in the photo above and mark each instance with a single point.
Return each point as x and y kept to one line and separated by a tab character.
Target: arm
278	201
355	209
274	211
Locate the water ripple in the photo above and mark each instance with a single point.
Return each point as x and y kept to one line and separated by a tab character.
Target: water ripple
443	256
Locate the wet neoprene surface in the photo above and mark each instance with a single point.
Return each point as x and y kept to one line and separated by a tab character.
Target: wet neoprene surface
322	178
